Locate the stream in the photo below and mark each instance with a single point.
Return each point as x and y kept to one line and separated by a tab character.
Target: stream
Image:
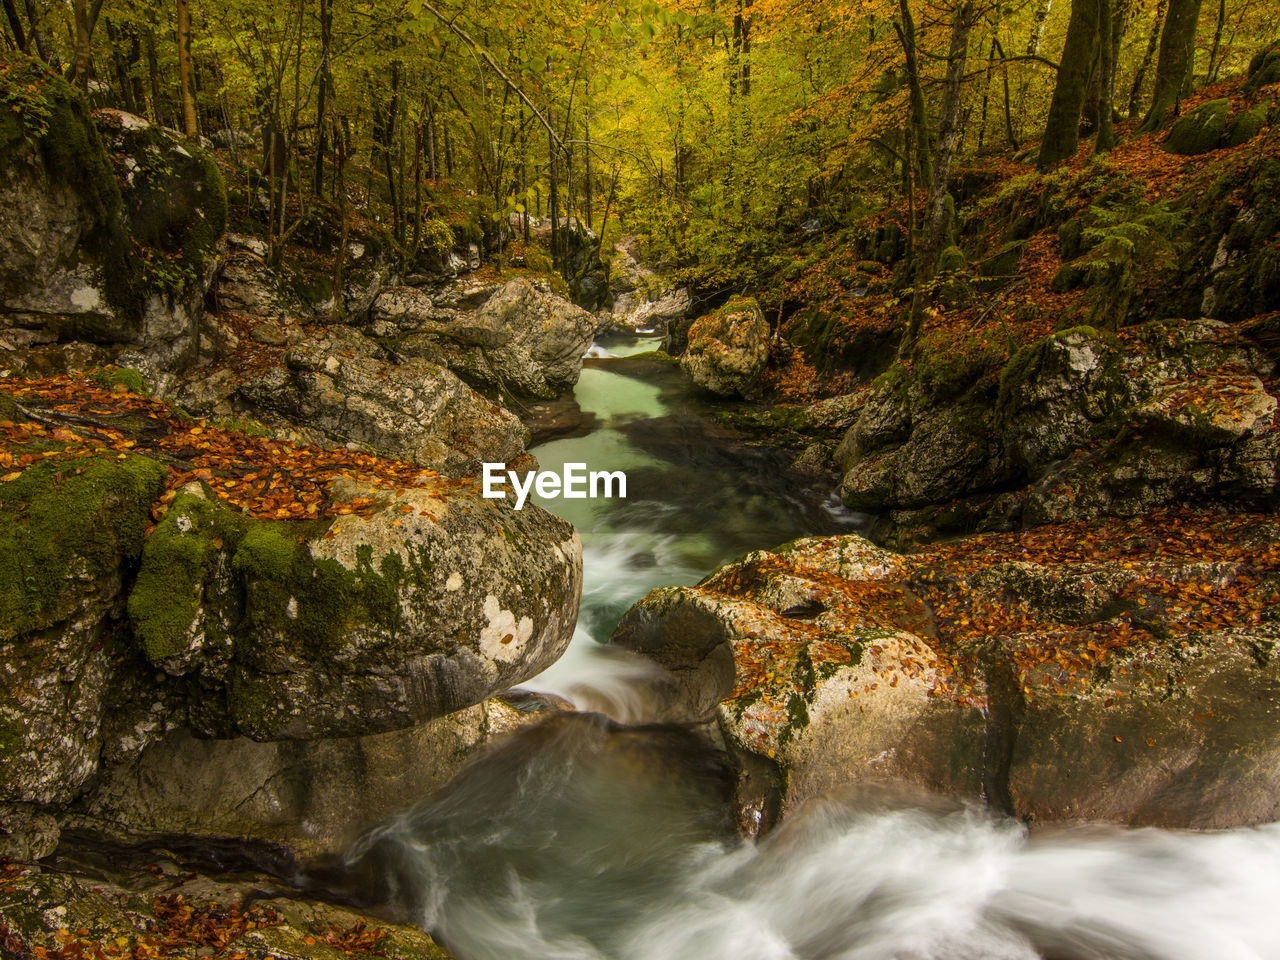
596	836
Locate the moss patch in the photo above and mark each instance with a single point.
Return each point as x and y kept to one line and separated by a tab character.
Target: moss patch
60	522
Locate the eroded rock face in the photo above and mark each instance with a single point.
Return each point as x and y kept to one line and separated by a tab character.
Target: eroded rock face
522	339
311	798
1087	424
79	206
1095	681
343	390
431	601
728	349
68	541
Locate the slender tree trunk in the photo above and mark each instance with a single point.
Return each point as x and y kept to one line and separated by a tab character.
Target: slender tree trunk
554	199
1135	93
122	68
37	34
1106	140
1174	67
15	24
433	166
340	188
919	117
948	137
586	153
184	69
1214	64
153	76
323	94
1062	130
1008	109
80	55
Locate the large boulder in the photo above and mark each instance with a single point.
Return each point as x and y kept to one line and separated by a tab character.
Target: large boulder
728	348
430	602
1099	670
70	538
1080	424
108	226
342	390
523	339
308	797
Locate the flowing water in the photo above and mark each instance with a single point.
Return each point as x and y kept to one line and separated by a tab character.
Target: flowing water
583	838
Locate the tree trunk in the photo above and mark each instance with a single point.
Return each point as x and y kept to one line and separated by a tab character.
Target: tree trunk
1106	140
1173	69
37	34
1214	63
324	93
554	199
1135	93
80	55
184	69
919	117
15	24
948	136
122	69
1062	130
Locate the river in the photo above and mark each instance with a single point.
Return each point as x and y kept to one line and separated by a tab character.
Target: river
602	838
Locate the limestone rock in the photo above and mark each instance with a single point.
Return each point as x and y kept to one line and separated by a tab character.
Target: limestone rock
342	390
69	540
830	661
728	349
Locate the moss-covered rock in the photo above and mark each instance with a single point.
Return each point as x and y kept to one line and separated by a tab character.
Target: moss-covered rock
293	630
1199	131
728	348
71	534
107	225
1264	67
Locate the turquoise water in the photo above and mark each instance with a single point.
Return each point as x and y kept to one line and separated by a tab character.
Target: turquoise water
696	498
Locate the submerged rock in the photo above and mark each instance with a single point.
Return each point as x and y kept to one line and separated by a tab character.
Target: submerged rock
1096	680
728	349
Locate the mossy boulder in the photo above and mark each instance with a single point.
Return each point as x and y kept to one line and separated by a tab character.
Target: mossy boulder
728	349
1264	67
108	225
70	537
952	259
1245	125
1199	131
433	602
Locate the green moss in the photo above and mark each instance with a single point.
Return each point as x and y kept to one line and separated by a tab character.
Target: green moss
177	563
1199	131
1026	363
61	521
130	378
1246	125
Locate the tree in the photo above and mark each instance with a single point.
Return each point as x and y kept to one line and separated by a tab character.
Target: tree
1062	129
184	69
1173	69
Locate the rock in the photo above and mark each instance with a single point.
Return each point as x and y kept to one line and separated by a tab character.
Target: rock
68	542
341	390
1084	424
1264	67
524	339
432	602
246	285
728	349
89	204
101	901
311	797
1081	691
1199	131
1245	125
650	311
26	834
